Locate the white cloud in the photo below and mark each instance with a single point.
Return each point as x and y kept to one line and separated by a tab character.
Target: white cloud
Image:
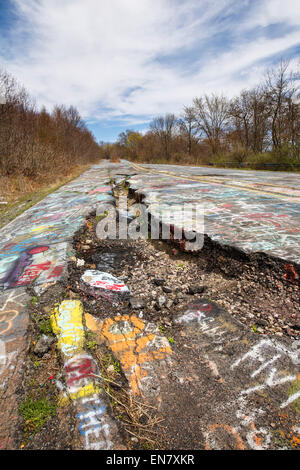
89	53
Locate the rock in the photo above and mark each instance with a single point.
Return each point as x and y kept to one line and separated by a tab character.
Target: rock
80	263
158	281
296	325
161	300
136	303
86	247
261	322
167	290
43	345
195	290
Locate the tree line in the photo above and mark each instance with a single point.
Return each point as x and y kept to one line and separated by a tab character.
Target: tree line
37	143
259	128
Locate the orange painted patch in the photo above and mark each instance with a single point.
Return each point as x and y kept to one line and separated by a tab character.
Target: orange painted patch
124	336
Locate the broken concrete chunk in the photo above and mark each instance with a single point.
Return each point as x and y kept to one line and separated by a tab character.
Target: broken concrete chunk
101	284
43	345
136	303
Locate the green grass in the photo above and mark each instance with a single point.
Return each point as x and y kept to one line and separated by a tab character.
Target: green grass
36	413
90	340
45	326
109	360
171	340
34	300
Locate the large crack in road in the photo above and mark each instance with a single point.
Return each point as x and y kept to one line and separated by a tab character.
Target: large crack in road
202	353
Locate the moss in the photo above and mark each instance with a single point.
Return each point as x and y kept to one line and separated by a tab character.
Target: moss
36	413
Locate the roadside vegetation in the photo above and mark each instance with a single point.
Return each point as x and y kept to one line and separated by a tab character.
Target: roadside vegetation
258	129
39	150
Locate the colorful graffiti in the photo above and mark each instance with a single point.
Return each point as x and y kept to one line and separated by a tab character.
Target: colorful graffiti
35	246
240	209
13	327
139	347
95	426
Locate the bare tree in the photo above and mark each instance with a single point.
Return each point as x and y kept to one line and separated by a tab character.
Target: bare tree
163	127
249	119
280	88
212	115
188	127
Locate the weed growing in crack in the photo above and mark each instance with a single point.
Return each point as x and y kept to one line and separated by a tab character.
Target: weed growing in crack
34	300
90	341
36	413
171	340
108	360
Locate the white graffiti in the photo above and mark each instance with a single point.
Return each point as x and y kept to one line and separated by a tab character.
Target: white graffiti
257	354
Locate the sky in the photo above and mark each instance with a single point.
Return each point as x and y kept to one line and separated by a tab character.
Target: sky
123	62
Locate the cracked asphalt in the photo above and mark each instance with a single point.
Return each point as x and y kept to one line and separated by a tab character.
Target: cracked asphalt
215	383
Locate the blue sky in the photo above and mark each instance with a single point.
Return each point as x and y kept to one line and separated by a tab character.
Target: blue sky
122	62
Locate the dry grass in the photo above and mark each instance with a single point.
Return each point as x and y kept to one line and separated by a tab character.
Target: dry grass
138	418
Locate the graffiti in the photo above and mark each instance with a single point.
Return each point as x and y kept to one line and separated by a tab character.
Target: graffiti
77	371
104	189
12	278
101	284
94	424
290	275
67	324
211	437
9	311
33	247
137	346
80	373
237	211
267	367
259	355
80	370
198	312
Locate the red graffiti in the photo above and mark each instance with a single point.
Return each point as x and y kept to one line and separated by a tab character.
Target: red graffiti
56	272
291	274
106	285
206	308
80	371
32	272
39	249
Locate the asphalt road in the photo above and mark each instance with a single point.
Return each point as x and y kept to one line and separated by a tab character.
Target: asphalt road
255	211
237	385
